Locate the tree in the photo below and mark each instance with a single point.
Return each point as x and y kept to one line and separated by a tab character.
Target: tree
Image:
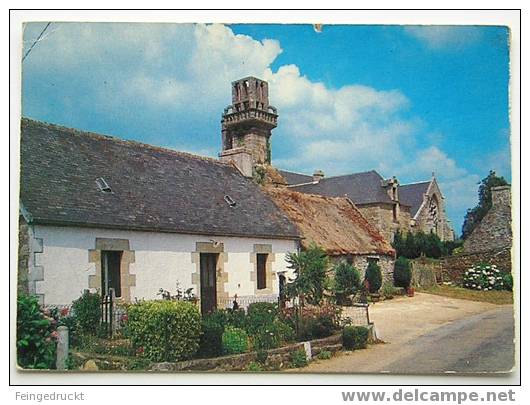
402	272
346	282
374	277
310	268
475	215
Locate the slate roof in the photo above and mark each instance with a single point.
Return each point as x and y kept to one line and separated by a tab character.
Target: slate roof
333	223
295	178
153	189
412	194
361	188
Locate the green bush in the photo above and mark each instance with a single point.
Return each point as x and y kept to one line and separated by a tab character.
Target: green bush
354	337
211	341
324	355
260	315
507	280
165	330
235	340
254	367
374	277
272	335
298	358
402	272
87	312
346	282
36	335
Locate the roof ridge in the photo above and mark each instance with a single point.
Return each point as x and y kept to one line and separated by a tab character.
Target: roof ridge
126	141
415	183
352	174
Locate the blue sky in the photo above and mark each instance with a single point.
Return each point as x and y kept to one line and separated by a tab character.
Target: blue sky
406	101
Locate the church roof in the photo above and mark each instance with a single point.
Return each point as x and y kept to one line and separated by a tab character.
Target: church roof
70	177
333	223
295	178
361	188
412	194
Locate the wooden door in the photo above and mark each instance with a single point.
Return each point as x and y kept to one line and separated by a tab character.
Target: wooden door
208	282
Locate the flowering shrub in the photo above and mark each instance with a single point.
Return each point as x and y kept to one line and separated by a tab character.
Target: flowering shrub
313	322
483	277
36	334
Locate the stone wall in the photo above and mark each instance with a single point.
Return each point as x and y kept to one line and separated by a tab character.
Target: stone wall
23	256
494	232
382	216
425	272
453	267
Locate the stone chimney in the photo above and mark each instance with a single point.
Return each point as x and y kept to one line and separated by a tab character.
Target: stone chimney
501	196
318	175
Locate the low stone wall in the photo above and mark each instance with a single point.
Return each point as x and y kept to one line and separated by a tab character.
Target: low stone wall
453	267
277	358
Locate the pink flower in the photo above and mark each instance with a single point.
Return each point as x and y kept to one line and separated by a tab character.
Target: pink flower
64	311
54	335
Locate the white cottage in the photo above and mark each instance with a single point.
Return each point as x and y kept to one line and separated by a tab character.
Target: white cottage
98	212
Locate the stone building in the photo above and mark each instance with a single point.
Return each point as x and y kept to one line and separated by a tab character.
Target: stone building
390	206
337	226
427	208
98	212
494	231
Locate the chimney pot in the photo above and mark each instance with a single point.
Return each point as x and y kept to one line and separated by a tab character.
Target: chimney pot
318	175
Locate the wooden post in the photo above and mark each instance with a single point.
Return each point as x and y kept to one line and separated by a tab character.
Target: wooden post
62	347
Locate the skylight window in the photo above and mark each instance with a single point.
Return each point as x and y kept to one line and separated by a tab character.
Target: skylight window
103	185
230	201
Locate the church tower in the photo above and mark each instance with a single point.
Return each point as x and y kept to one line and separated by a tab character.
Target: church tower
247	125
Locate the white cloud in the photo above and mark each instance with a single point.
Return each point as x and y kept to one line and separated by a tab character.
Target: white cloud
444	36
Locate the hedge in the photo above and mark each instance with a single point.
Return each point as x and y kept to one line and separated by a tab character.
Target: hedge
165	330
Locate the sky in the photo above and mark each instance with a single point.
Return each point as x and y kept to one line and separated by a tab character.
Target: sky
407	101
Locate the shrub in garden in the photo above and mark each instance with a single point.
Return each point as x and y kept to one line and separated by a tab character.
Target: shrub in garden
507	280
318	322
87	312
402	272
346	281
324	355
483	277
235	340
36	335
354	337
260	315
165	330
298	358
374	277
211	341
254	367
272	335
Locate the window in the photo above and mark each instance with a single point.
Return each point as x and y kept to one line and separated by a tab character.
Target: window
103	185
110	272
262	270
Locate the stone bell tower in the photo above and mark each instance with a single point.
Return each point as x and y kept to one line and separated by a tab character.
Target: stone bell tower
247	125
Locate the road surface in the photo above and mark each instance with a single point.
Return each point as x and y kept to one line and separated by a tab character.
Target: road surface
430	334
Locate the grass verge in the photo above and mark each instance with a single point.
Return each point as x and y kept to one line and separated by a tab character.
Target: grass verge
493	297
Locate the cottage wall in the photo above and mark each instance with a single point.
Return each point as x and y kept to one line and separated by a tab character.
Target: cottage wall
69	262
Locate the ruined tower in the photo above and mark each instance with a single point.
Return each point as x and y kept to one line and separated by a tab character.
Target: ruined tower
247	125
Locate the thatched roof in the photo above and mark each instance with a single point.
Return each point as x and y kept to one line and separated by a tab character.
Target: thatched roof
333	223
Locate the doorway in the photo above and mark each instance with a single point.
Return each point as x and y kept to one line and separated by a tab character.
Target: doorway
208	282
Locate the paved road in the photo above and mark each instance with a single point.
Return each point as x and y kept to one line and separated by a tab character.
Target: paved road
428	334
